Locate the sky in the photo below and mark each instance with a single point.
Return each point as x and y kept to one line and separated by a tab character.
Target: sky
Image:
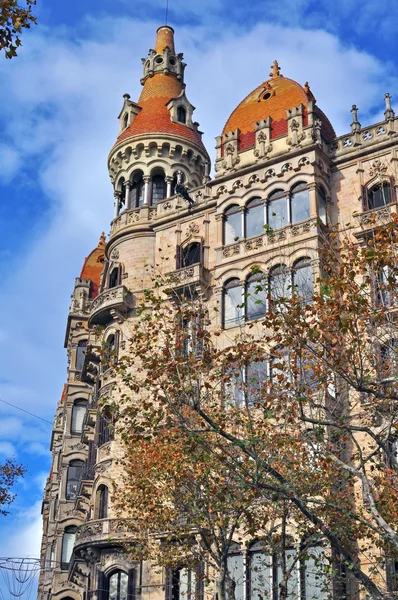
58	120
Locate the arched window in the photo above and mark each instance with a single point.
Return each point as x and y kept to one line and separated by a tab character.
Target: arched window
68	541
109	352
80	354
181	114
232	224
75	470
299	203
159	187
122	192
190	254
254	217
105	429
321	197
137	197
279	282
236	570
303	281
256	296
233	301
114	277
118	586
384	296
78	414
277	210
125	120
379	195
102	500
260	573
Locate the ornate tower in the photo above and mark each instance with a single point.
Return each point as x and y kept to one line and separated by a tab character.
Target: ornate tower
158	135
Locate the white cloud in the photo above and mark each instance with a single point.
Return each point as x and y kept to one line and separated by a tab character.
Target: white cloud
7	449
66	95
10	161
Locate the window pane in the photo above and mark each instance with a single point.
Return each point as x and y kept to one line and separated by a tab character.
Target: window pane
123	586
300	205
232	227
233	310
73	480
383	294
113	585
235	393
80	354
277	213
68	542
303	280
280	283
379	195
255	220
256	297
191	254
293	591
315	578
78	414
260	576
158	189
256	377
236	572
322	206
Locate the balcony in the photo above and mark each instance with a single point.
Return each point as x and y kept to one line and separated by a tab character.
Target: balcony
113	303
102	531
375	217
192	278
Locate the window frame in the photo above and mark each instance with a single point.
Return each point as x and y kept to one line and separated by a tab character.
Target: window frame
254	203
239	317
78	403
72	495
69	530
233	209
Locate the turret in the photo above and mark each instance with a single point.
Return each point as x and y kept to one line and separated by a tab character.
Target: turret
158	135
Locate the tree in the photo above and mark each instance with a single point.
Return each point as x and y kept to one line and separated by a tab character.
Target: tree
9	472
14	17
300	408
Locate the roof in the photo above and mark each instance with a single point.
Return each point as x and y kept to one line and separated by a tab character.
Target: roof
92	267
272	99
154	116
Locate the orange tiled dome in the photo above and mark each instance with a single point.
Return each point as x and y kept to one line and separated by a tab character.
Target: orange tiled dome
158	90
271	99
92	267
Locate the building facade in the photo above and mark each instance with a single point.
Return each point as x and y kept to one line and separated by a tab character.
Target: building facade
278	163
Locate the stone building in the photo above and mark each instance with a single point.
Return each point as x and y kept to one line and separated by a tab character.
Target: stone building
278	162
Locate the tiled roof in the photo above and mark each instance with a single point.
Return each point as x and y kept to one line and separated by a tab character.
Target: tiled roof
154	116
93	266
284	95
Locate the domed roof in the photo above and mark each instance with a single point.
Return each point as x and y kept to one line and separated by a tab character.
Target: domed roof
92	267
159	88
272	99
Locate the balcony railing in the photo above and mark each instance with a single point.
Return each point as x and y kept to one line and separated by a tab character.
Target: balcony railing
103	530
116	301
193	277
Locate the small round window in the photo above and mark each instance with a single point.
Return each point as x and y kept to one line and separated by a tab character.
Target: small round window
172	61
266	96
159	60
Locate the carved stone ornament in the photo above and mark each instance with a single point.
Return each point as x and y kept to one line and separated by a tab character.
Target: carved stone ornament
269	174
192	229
231	250
304	161
115	254
133	217
286	168
79	446
101	467
377	168
229	149
254	179
222	190
237	184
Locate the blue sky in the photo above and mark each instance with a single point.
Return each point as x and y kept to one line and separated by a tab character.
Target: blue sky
60	99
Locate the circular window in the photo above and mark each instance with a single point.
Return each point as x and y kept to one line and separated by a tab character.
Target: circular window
172	61
159	60
266	96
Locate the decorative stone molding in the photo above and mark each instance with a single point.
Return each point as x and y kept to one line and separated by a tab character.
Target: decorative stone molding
231	250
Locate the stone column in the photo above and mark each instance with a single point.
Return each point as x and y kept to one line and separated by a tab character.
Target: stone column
169	182
127	195
117	204
146	179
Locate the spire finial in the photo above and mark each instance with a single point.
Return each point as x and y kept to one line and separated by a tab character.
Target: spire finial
355	125
275	70
102	239
388	113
